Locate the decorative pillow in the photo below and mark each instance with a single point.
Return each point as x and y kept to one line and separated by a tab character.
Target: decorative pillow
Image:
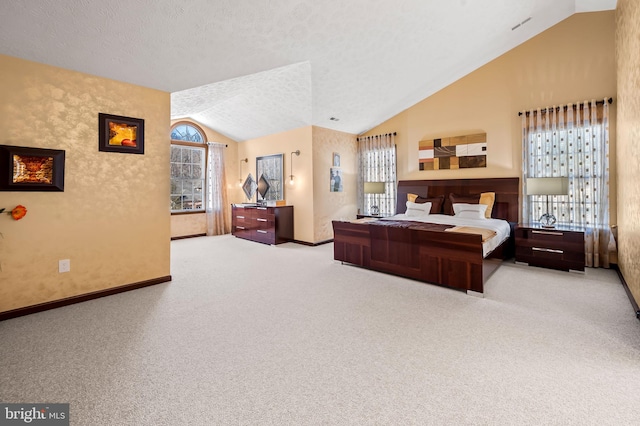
470	211
488	198
415	209
412	197
459	198
436	203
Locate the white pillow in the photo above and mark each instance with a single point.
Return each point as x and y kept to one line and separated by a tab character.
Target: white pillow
416	209
469	211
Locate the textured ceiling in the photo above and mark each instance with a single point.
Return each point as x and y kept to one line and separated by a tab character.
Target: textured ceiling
252	68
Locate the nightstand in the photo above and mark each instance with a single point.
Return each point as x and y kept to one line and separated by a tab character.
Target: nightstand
561	247
362	216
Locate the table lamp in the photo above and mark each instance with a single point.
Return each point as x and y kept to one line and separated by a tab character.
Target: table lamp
548	186
374	188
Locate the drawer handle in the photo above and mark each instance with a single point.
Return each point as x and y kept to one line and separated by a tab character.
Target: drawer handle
548	250
262	220
547	232
262	208
240	217
239	227
261	231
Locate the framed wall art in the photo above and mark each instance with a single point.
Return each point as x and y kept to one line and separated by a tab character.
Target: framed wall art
336	159
120	134
335	182
31	169
457	152
270	168
249	187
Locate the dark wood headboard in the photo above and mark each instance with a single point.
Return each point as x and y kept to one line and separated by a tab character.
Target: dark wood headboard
506	189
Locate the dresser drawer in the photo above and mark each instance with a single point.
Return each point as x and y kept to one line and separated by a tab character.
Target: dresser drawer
241	220
263	236
241	231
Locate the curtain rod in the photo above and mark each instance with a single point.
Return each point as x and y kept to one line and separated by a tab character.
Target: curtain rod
610	100
377	136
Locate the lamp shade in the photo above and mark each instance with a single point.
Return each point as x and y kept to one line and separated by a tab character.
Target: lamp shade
374	187
548	186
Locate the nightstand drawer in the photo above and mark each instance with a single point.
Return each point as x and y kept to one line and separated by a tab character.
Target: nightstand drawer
552	236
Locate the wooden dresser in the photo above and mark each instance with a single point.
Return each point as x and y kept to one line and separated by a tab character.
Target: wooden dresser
557	248
268	225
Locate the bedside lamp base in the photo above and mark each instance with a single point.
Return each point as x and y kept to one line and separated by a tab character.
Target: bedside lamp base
548	220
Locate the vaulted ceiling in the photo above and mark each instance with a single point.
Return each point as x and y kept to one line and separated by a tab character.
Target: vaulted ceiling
253	68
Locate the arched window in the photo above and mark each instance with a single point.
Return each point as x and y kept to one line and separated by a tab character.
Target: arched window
187	132
188	168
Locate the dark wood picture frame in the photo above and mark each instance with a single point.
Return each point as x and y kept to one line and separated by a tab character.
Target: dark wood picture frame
31	169
271	166
117	133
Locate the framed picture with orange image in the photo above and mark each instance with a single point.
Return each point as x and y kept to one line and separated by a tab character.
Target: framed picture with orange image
121	134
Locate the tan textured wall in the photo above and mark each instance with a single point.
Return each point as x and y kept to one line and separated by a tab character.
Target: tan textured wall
628	61
572	61
329	205
299	195
112	220
194	224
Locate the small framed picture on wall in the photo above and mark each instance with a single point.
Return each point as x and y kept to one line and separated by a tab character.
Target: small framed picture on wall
335	184
336	159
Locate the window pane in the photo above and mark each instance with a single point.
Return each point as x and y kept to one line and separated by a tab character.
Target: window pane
186	171
176	203
187	133
187	203
196	171
197	201
197	156
176	169
187	188
175	133
176	186
175	154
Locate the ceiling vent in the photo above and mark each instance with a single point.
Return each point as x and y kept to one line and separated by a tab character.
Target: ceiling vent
521	23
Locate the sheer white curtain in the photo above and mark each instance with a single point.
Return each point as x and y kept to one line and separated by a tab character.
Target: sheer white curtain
573	142
377	163
218	210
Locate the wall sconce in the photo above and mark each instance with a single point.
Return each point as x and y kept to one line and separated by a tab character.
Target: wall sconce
244	160
291	177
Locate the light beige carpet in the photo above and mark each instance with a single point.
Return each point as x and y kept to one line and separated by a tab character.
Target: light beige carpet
261	335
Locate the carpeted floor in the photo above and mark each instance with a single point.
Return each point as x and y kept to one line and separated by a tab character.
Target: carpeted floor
249	334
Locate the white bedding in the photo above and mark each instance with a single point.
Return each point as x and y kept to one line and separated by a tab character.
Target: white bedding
501	227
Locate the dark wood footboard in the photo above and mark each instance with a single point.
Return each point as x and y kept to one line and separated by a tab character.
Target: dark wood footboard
445	258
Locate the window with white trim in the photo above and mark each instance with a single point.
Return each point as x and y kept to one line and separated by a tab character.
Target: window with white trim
188	168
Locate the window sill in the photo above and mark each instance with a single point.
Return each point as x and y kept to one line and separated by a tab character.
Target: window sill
189	212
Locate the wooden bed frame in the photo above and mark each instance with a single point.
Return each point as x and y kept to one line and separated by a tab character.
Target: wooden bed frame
448	259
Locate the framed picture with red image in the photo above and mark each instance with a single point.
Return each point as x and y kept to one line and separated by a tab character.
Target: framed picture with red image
121	134
24	168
